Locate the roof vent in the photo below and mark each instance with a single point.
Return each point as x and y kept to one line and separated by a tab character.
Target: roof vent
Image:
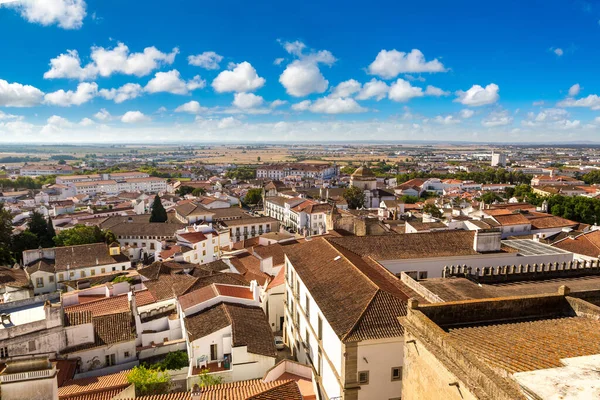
337	258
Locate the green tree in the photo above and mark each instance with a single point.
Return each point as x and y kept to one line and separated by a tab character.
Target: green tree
433	210
51	231
149	381
490	197
5	236
204	379
81	234
183	190
198	192
159	214
354	197
25	240
39	227
406	199
253	196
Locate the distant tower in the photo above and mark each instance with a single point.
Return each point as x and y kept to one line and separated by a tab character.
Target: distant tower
363	178
498	159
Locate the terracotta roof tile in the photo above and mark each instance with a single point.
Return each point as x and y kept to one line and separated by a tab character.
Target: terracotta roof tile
249	326
143	297
73	318
246	390
108	329
108	305
78	387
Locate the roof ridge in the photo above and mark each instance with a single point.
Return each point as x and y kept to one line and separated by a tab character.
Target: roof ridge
351	263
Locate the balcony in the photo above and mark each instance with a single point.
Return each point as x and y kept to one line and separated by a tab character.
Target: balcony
212	367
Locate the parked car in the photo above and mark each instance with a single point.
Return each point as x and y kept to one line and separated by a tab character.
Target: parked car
279	345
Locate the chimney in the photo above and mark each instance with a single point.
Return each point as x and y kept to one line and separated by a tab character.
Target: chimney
487	240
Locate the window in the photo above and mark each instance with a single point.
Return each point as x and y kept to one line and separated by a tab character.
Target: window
122	268
203	252
397	374
92	272
82	274
126	354
320	328
216	249
307	307
152	246
213	352
32	345
195	256
363	377
61	277
114	268
110	359
3	352
39	282
51	279
71	274
102	270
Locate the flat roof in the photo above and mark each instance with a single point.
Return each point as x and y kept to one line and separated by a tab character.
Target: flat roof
529	247
24	315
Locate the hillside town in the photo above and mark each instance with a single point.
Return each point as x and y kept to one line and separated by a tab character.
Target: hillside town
443	274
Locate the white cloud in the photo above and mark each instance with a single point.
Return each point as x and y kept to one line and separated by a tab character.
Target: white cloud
296	48
126	92
228	122
4	116
497	118
302	76
192	107
55	124
402	91
84	93
247	100
103	115
447	120
466	113
346	88
278	61
388	64
373	89
206	60
171	82
68	14
86	122
106	62
558	51
68	65
277	103
241	78
592	101
574	90
302	106
18	95
336	105
479	96
132	117
435	91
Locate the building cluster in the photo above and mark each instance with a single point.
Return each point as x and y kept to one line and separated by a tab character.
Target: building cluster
302	297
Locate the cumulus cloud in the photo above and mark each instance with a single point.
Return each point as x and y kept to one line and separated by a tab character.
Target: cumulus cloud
302	76
103	115
277	103
346	88
435	91
107	61
574	90
67	14
241	78
373	89
478	96
466	113
278	61
84	93
4	116
18	95
330	105
192	107
171	82
126	92
557	50
247	100
206	60
132	117
402	91
86	122
592	101
497	118
228	122
389	63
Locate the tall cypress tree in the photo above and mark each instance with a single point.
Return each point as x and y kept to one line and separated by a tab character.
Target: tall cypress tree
50	233
159	214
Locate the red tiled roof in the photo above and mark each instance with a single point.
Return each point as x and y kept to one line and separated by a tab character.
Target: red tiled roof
143	297
234	291
193	237
279	279
104	306
78	387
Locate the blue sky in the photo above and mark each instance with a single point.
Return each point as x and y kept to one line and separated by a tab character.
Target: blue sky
189	71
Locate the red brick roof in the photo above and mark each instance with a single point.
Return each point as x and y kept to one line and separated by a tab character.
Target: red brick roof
78	387
254	389
143	297
194	237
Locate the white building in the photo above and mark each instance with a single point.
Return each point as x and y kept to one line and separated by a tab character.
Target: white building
341	318
498	159
280	171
